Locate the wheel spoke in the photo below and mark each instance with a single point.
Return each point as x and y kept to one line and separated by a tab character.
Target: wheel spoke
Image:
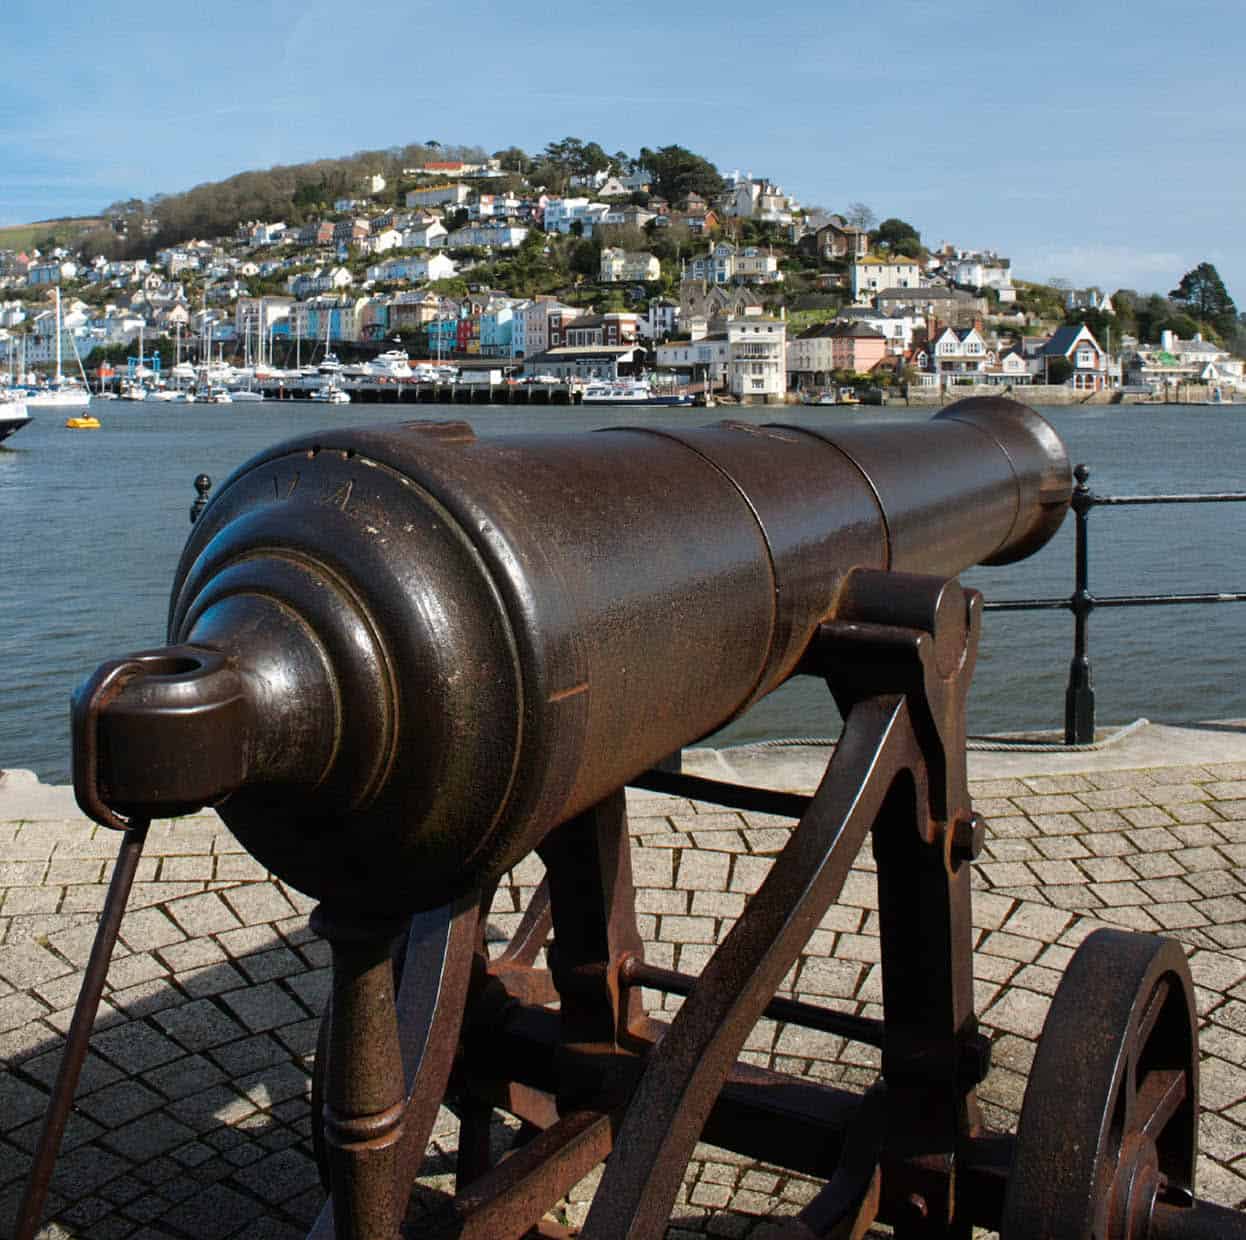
1158	1099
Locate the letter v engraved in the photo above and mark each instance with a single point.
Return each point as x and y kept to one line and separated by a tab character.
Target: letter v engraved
290	486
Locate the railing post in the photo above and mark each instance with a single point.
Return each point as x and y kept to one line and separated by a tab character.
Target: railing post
1079	696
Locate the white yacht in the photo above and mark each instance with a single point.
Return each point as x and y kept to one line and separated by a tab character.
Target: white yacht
330	395
61	392
392	364
13	414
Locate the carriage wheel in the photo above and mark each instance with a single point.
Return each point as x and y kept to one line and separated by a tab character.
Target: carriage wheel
1109	1122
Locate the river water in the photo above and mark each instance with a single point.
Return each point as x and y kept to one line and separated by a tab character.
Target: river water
92	522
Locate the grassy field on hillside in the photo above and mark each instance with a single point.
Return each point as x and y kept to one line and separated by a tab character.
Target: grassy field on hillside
23	236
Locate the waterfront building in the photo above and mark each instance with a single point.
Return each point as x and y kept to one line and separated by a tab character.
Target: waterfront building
703	359
1076	344
661	319
531	324
252	314
617	327
497	330
756	357
840	345
409	311
603	361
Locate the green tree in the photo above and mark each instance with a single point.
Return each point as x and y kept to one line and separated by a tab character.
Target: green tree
585	258
1059	369
678	172
512	159
1105	327
1202	294
900	238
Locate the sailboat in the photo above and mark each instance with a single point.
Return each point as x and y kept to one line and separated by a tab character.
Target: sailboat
61	393
331	391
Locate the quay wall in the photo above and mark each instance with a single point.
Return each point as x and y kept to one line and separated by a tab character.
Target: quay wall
1051	394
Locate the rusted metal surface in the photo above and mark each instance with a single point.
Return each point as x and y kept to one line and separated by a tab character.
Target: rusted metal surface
1109	1126
403	658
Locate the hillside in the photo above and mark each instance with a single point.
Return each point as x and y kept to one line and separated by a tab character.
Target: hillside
66	232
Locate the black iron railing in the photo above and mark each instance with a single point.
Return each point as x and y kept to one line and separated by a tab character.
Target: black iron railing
1079	696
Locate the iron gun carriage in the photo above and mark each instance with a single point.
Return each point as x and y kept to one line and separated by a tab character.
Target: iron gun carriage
402	659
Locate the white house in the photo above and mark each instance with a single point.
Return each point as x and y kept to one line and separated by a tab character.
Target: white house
874	273
424	235
414	268
495	236
378	243
561	214
619	266
756	355
454	194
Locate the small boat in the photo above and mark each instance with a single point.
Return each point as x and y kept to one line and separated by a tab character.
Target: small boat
83	422
631	392
330	395
246	394
13	414
218	396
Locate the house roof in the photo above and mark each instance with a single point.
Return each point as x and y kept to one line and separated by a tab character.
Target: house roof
1063	340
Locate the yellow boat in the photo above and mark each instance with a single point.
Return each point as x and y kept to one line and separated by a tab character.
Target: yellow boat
83	422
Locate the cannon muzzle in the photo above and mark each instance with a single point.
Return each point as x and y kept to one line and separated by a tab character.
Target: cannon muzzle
400	655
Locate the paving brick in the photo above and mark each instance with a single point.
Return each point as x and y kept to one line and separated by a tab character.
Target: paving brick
1018	1011
261	1008
701	871
203	914
256	903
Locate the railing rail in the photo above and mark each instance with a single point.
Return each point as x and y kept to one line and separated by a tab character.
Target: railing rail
1079	695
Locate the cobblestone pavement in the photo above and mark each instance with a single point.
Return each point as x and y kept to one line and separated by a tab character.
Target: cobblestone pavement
192	1116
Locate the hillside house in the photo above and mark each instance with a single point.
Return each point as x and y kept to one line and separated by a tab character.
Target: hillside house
876	273
619	266
1076	343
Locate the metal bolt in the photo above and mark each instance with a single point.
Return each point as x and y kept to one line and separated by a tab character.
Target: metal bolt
968	838
914	1209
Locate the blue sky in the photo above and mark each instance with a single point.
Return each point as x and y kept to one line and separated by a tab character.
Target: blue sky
1097	141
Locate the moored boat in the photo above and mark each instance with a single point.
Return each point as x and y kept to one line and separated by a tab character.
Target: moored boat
330	395
13	414
83	422
631	392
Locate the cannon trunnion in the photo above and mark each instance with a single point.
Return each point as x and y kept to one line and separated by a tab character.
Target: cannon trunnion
403	658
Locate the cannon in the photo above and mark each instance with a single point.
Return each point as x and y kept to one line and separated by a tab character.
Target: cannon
402	659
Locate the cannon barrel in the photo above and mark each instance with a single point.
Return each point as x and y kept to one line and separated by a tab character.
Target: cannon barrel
400	655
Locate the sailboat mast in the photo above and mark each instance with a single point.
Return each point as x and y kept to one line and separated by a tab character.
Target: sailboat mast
56	290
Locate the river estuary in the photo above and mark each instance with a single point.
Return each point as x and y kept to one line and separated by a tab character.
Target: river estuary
91	524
